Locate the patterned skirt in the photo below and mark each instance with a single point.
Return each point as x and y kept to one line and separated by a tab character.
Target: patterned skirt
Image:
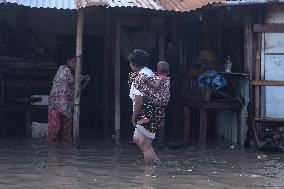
155	114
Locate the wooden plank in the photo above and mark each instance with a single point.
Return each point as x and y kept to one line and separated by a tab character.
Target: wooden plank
186	124
235	75
109	60
228	104
17	83
2	90
77	97
257	77
21	72
106	72
239	127
175	118
39	107
267	83
117	76
258	58
269	120
28	121
269	28
203	127
274	53
162	43
247	42
221	105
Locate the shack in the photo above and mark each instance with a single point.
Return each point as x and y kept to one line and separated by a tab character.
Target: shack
192	42
247	34
45	32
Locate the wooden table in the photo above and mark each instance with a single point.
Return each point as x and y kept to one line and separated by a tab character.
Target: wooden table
203	107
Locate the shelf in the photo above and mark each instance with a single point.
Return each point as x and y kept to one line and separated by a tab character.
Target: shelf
236	75
267	83
269	120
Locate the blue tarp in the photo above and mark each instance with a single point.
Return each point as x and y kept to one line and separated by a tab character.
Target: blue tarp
213	79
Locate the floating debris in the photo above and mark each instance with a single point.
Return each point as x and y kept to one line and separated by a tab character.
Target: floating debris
261	156
254	176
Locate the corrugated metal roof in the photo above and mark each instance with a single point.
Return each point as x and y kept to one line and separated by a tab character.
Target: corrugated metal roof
247	2
58	4
171	5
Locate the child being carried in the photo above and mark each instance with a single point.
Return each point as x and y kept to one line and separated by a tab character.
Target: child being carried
157	92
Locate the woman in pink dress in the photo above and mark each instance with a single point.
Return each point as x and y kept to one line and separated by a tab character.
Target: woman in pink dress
60	110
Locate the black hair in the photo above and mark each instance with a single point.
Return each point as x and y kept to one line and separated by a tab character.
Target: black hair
139	58
164	67
69	53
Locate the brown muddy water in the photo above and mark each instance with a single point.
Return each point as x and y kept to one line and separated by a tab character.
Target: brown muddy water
107	164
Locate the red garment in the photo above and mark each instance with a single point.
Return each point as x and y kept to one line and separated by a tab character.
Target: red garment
61	96
58	122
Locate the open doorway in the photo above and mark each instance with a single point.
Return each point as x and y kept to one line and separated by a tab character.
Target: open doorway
133	37
91	116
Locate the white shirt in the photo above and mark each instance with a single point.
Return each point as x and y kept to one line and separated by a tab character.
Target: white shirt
135	92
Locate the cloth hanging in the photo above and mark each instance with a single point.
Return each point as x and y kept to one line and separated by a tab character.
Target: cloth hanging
213	79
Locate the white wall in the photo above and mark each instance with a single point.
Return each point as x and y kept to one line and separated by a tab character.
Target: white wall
273	64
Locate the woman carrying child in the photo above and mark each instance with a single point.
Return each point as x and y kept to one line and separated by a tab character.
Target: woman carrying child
150	94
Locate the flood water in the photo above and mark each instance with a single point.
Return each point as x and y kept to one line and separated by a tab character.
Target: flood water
32	164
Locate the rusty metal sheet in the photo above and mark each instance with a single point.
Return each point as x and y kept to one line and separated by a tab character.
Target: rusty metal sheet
170	5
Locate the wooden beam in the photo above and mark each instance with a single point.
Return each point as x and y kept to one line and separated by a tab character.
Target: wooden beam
203	127
186	124
17	83
269	119
267	83
162	44
247	43
269	28
257	77
239	128
79	42
117	76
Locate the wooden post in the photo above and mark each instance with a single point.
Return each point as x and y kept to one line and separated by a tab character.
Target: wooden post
239	134
248	43
79	41
117	76
203	126
109	66
162	47
257	77
187	124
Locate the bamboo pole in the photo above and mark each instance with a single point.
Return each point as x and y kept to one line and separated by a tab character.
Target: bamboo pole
79	41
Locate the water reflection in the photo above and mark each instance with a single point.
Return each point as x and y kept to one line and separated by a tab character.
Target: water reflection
107	164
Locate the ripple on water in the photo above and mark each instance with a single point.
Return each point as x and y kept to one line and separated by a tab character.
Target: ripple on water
108	164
